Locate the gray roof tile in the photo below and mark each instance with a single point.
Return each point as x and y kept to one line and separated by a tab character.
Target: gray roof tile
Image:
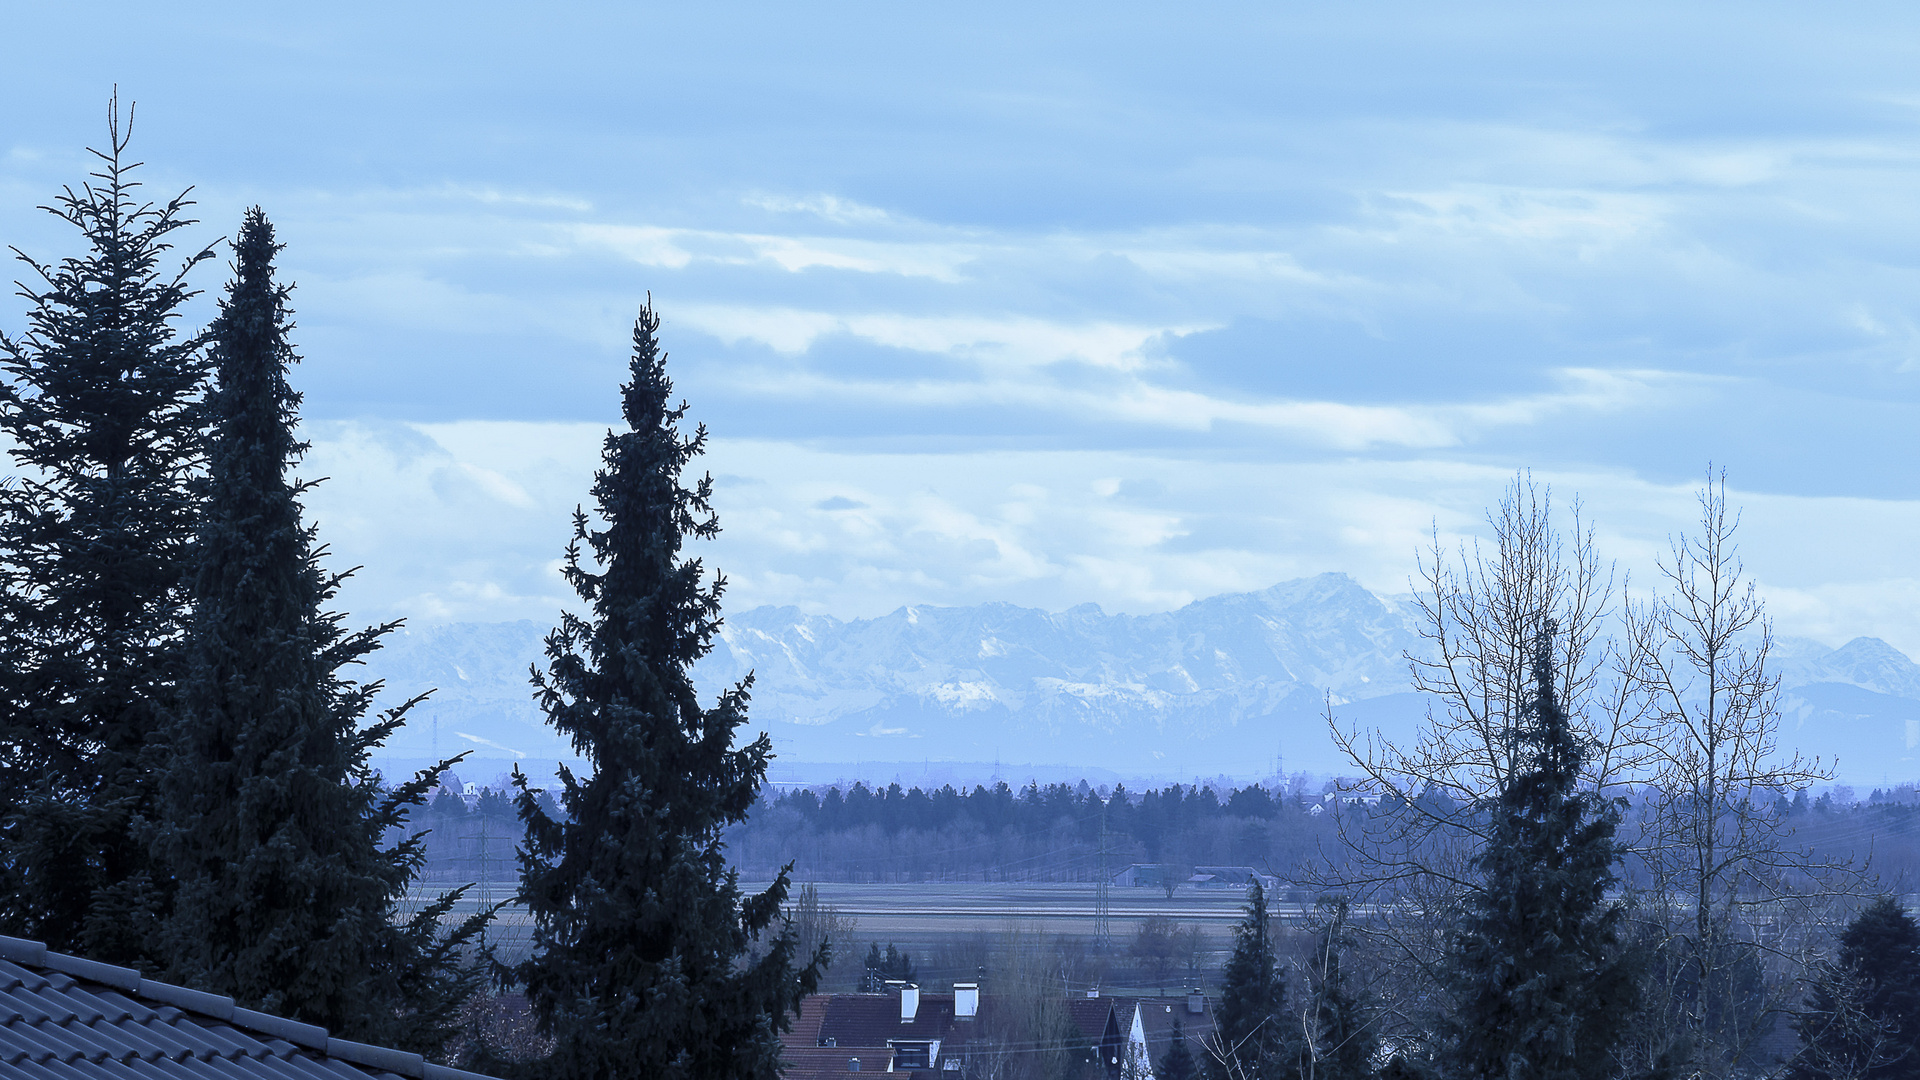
22	1040
69	1018
54	1071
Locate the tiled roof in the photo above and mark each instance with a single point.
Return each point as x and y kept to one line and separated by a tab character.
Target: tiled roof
1089	1016
872	1019
1157	1015
830	1063
806	1025
67	1018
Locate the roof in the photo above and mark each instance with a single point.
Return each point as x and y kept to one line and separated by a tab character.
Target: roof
820	1062
1158	1015
1090	1015
862	1026
874	1019
68	1017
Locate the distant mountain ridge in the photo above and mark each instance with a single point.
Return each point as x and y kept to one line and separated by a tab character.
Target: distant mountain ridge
1235	684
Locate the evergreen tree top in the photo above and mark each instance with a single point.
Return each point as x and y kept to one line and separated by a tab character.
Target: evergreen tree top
101	350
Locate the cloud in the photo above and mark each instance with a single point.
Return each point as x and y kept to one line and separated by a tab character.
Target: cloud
675	249
1001	343
831	208
1130	531
1189	304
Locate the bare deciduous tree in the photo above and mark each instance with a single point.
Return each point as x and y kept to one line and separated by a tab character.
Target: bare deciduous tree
1729	902
1481	609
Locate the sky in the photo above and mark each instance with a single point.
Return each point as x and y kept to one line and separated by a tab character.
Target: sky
1123	304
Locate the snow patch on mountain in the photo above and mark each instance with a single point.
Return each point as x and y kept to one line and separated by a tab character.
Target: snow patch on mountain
1237	684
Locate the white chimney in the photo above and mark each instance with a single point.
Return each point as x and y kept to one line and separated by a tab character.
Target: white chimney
966	1000
909	1002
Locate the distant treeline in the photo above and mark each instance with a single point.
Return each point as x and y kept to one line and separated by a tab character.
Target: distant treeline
1035	833
1053	832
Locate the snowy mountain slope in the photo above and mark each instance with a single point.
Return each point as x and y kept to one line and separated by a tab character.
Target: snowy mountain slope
1224	685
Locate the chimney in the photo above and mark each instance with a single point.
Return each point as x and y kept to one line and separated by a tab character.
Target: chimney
1094	993
966	1000
909	1002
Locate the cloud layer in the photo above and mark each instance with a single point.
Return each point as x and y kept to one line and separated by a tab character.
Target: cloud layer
1029	306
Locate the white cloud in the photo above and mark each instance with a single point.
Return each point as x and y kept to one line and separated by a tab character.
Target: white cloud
831	208
1003	343
676	248
1131	531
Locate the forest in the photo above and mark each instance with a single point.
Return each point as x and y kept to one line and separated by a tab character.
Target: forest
1052	833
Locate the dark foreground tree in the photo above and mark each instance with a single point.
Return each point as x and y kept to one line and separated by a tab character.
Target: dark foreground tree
95	535
639	927
1863	1019
1178	1063
1543	987
269	818
1340	1023
1252	1039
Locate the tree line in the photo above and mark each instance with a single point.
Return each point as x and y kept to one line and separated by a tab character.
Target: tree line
856	833
1050	833
184	752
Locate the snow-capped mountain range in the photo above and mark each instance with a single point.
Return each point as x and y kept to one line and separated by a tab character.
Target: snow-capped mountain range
1236	684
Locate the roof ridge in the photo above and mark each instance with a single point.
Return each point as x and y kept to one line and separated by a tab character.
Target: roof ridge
222	1008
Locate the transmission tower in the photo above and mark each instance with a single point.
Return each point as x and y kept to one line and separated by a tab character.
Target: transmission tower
1103	892
486	876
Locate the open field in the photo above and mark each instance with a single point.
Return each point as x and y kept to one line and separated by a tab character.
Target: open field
929	918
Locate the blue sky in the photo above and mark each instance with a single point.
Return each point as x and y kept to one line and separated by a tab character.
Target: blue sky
1122	304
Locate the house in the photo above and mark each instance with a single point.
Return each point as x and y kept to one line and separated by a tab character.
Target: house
930	1036
64	1016
1131	1035
899	1031
1157	1021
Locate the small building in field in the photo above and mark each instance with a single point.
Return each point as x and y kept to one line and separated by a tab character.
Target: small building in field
1233	877
1150	876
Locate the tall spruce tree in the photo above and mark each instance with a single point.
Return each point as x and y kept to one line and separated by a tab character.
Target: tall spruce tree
95	538
1343	1036
269	819
1543	987
1863	1018
1253	1039
640	929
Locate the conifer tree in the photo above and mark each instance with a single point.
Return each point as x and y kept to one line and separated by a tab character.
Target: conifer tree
1343	1037
640	929
269	819
1544	989
1177	1063
1252	1040
95	537
1863	1018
